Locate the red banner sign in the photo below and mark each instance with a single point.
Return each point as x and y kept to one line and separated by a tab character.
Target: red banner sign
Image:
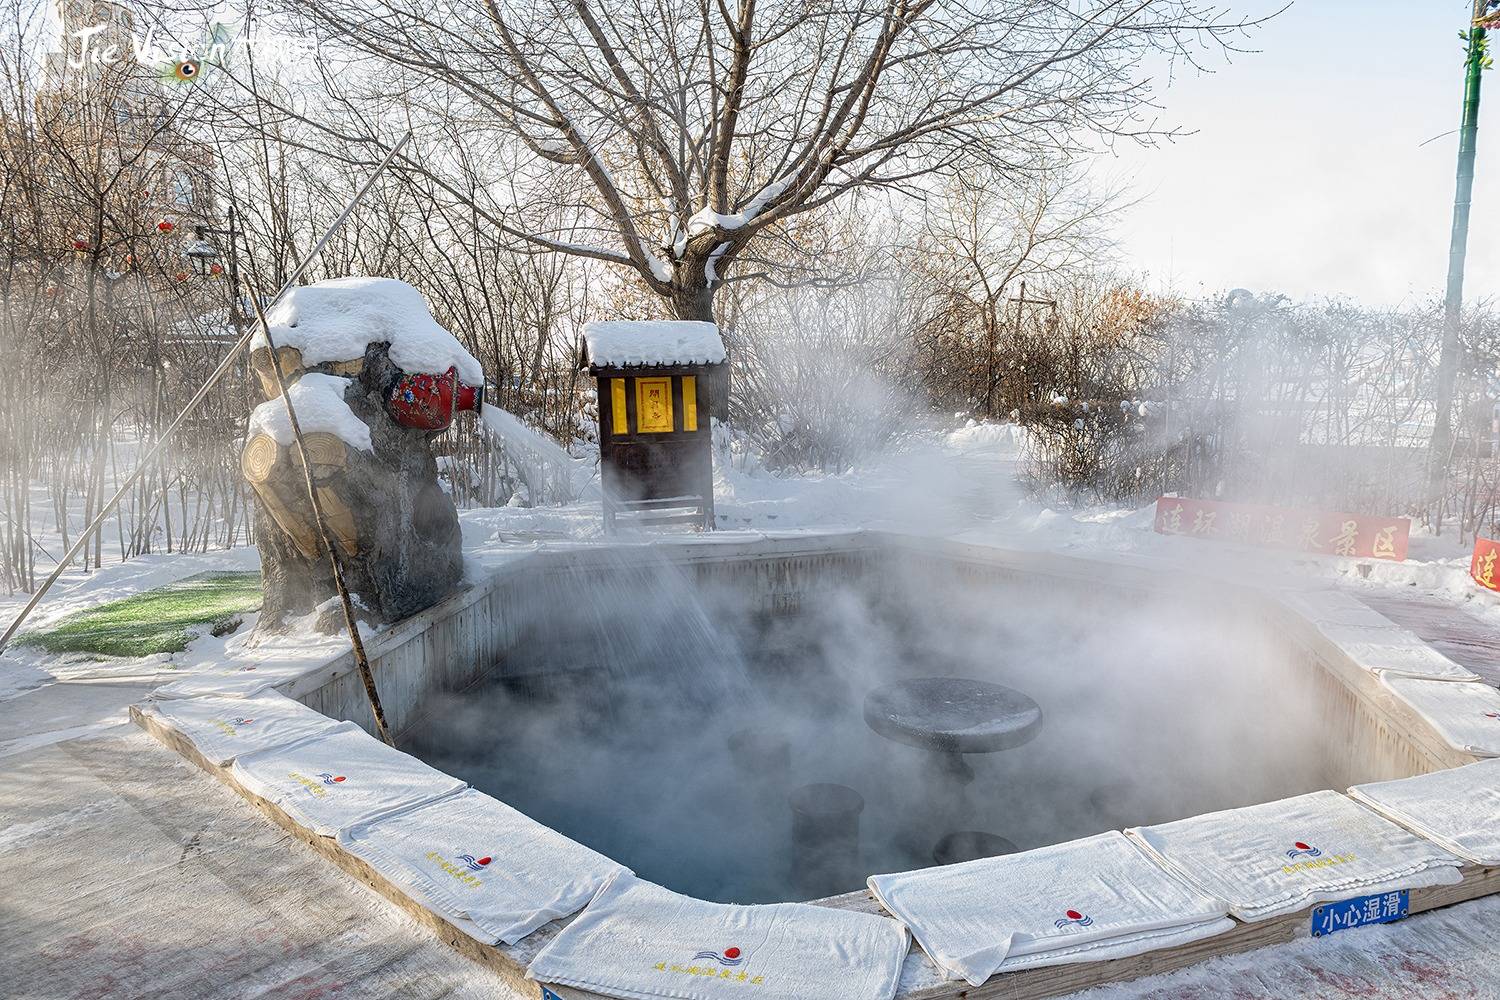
1482	566
1331	533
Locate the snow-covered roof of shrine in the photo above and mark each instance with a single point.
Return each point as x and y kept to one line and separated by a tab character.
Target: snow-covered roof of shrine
620	343
335	320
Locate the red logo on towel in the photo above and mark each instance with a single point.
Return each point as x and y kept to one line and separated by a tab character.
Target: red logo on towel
1073	917
475	864
1492	715
242	722
1300	849
329	778
729	956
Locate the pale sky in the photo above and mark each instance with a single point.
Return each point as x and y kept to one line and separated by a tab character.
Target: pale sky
1306	175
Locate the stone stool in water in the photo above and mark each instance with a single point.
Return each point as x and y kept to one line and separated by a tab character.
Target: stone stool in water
825	839
970	845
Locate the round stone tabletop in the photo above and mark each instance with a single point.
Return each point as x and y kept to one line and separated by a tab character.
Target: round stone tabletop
953	715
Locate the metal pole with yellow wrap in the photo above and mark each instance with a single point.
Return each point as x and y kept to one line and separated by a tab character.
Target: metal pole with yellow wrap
1476	60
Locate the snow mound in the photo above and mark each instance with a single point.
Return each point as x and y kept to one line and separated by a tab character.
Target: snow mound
973	436
619	343
334	320
319	402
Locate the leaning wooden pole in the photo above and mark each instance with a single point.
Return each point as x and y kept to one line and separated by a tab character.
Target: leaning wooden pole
212	380
361	661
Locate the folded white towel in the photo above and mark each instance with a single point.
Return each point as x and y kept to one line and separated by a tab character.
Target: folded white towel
1393	650
496	874
641	941
1279	857
224	728
1466	715
1100	897
1458	808
336	779
233	682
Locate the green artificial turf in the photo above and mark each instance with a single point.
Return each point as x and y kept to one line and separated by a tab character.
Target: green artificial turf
158	621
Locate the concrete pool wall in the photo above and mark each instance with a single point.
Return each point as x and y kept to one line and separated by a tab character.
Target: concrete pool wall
1370	732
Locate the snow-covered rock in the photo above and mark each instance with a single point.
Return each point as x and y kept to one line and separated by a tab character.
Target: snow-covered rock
319	402
335	320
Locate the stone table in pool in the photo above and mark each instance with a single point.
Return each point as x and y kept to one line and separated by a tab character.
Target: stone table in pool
953	716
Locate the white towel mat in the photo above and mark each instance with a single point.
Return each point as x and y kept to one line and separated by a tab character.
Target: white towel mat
1393	650
494	873
1466	715
1333	607
224	728
1090	899
1279	857
640	941
339	778
232	682
1458	808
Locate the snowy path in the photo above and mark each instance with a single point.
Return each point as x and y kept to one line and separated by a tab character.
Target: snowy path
1446	627
128	873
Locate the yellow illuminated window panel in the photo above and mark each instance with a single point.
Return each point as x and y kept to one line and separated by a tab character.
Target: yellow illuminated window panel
689	403
653	405
621	422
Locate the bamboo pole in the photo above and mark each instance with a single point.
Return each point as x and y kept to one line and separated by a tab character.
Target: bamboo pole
324	536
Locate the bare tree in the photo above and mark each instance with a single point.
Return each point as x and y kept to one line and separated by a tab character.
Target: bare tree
983	238
686	134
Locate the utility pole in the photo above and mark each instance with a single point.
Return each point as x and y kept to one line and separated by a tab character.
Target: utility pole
1442	429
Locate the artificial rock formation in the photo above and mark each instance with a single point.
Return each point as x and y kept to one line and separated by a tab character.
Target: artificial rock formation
368	424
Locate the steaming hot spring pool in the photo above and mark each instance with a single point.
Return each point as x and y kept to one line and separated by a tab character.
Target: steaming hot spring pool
665	713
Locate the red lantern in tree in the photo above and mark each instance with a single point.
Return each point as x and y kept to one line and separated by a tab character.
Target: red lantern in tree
165	226
216	269
80	244
182	276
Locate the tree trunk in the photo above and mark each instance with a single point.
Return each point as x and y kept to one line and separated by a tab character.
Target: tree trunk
692	299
